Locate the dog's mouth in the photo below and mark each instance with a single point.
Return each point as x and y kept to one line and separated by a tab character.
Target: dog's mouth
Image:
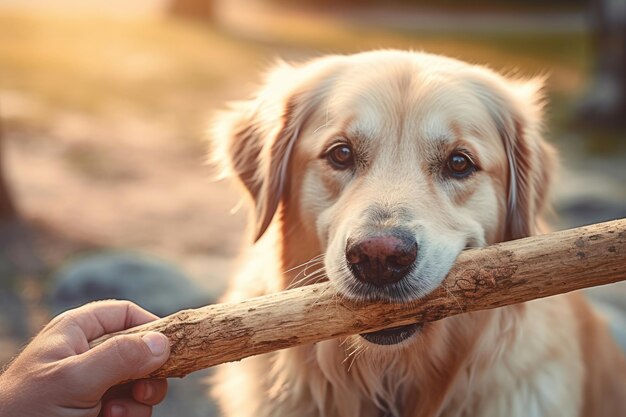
393	335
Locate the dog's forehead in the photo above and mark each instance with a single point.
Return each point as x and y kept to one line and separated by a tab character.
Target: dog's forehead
408	105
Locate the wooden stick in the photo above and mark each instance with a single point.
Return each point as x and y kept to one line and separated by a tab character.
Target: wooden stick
495	276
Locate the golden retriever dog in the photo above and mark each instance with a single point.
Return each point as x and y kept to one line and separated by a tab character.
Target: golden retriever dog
374	171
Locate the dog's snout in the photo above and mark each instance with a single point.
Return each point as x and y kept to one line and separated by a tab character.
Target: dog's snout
382	260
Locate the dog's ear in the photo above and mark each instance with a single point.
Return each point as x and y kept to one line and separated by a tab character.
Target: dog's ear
516	107
255	139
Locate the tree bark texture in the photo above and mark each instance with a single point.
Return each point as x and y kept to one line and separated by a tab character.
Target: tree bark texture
486	278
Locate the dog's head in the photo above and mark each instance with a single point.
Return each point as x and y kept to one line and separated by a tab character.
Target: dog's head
394	162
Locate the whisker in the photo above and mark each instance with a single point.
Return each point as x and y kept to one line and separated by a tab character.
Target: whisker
319	297
358	351
297	280
456	300
321	127
315	261
306	279
304	264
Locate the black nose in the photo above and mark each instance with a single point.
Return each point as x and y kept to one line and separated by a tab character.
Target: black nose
382	260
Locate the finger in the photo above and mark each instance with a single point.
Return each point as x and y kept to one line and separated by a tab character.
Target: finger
119	391
100	317
150	391
103	317
120	358
126	408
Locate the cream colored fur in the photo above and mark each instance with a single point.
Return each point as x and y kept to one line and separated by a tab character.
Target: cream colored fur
404	112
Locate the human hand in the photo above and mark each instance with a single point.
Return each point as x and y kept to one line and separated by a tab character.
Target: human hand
57	375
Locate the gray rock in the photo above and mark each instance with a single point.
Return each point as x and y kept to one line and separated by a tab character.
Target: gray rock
151	283
584	211
13	317
610	302
188	397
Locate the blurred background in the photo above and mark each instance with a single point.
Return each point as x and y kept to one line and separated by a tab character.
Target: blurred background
104	190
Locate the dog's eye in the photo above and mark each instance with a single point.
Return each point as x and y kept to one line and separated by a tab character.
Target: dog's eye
460	165
340	156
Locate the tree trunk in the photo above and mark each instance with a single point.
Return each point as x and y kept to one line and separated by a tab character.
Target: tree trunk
605	102
7	207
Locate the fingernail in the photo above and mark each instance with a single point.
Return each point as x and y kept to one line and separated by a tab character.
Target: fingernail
118	410
147	391
156	342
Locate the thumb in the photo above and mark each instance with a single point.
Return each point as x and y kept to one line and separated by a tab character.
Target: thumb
121	358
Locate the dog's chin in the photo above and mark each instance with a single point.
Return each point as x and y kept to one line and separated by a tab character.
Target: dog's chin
394	335
400	293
